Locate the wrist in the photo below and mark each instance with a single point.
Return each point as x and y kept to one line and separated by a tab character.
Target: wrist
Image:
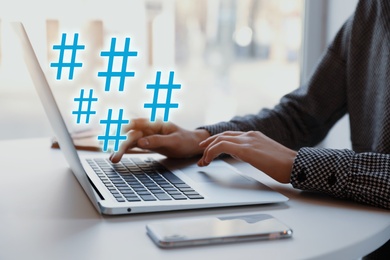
288	165
199	136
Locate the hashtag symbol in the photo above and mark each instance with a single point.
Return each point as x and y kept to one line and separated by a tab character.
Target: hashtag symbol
72	64
125	54
117	137
157	87
88	111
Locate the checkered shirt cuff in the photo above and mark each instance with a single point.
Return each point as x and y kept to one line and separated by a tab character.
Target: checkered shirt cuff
324	170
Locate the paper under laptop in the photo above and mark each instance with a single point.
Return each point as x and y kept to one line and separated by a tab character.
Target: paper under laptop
218	185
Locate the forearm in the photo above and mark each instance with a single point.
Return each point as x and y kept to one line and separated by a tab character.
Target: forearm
363	177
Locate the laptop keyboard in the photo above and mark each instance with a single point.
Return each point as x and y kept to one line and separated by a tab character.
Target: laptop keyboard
135	180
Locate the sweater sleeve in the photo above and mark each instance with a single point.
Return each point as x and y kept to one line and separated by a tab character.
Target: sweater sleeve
304	117
363	177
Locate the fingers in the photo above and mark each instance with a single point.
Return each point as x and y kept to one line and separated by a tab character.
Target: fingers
226	142
131	141
136	138
229	142
217	148
229	136
219	137
143	124
254	148
136	129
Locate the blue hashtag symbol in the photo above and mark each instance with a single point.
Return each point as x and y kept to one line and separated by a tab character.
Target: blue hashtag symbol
117	137
88	112
125	54
167	105
72	64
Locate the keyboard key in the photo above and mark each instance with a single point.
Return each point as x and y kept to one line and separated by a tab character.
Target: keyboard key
130	196
143	193
157	191
166	185
137	186
137	172
153	175
172	177
114	177
182	186
170	189
190	193
152	184
175	192
195	196
186	189
128	192
179	197
133	199
143	182
129	178
147	197
123	188
154	188
163	197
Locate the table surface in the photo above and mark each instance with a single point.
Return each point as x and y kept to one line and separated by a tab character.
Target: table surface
45	214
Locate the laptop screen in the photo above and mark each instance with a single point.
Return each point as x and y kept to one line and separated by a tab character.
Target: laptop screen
52	111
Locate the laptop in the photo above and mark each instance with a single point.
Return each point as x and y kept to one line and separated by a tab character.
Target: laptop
143	183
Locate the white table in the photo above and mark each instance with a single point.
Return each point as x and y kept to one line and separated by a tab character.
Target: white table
44	214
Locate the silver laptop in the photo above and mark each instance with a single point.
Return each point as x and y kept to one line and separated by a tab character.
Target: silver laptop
145	182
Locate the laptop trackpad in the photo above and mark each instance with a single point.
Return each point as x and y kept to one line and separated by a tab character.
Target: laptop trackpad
217	174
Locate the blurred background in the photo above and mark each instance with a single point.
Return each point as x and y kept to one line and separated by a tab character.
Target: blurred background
232	57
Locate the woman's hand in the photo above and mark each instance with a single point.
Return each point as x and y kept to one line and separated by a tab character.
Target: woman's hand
164	138
252	147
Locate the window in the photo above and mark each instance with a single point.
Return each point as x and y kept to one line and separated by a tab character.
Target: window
231	56
239	55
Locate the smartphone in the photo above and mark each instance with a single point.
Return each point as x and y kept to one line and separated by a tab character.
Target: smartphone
213	230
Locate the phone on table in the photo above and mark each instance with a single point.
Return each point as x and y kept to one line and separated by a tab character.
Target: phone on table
213	230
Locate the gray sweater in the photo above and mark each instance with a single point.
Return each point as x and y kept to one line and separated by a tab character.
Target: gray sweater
353	77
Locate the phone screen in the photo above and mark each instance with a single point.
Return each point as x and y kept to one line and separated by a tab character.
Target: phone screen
208	230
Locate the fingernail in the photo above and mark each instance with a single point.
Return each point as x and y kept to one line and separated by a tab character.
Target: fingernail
112	155
143	142
200	163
